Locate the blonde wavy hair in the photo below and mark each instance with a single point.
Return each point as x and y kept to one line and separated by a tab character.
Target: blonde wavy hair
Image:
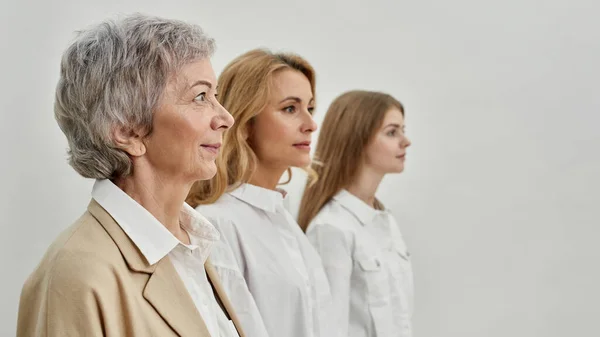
244	90
350	123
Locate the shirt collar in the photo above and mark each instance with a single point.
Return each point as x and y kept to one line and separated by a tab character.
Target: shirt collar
150	236
260	197
365	213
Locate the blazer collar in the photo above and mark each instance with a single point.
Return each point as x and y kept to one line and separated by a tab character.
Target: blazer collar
134	258
164	290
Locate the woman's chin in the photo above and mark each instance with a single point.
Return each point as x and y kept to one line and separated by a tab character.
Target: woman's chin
206	172
301	162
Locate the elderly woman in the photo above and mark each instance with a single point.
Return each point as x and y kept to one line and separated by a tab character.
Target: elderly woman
136	100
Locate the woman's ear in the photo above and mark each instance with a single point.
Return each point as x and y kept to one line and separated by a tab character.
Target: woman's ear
129	140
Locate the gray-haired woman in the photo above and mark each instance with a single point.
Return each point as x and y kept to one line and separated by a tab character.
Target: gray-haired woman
136	101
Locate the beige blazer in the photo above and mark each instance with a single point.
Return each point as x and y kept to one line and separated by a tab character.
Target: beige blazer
93	281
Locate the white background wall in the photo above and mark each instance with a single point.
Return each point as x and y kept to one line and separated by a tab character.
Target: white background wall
500	200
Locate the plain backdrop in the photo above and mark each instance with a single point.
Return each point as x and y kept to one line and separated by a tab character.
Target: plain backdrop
500	199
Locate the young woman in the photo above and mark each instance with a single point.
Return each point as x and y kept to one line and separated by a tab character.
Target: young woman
271	97
362	139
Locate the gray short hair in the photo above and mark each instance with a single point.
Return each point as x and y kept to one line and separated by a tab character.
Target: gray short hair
114	74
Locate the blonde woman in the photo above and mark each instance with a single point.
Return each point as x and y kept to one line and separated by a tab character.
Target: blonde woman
362	139
271	97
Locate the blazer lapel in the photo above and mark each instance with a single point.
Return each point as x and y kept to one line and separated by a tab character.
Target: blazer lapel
168	295
164	290
222	298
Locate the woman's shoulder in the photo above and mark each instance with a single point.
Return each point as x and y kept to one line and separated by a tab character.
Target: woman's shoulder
335	215
227	210
83	255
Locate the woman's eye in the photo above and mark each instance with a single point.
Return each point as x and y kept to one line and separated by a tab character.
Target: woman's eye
201	97
310	110
290	109
391	133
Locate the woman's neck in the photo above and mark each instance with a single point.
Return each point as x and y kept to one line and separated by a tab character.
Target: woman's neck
267	177
162	197
365	185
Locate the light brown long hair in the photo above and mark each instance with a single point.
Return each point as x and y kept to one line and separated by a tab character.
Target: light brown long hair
244	90
350	123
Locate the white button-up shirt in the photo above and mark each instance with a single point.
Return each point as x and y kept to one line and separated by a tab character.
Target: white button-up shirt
155	242
368	266
281	268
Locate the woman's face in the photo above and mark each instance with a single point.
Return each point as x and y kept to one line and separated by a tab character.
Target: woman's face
386	152
281	134
188	125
